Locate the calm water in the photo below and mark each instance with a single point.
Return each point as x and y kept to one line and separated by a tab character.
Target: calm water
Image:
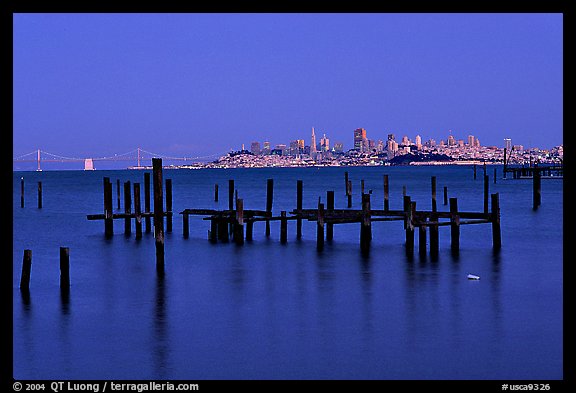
272	311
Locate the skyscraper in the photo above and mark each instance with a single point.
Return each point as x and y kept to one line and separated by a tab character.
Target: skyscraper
508	144
360	139
255	148
266	149
471	141
324	143
418	141
313	143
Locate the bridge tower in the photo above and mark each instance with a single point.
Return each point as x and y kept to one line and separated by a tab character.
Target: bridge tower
139	157
88	164
38	160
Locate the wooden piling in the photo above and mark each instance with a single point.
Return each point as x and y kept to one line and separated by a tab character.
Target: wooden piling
433	180
454	225
223	231
486	191
474	171
39	195
536	187
505	165
158	213
349	193
21	192
213	235
147	219
299	195
185	225
230	202
495	219
366	224
64	267
269	199
386	193
330	208
362	186
346	182
239	224
108	213
409	224
445	195
283	227
320	228
137	211
26	268
215	192
434	235
169	213
118	192
422	238
249	230
127	208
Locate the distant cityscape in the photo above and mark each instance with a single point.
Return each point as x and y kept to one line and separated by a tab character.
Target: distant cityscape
393	151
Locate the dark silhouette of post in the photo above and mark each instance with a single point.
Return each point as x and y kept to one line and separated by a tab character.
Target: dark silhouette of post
299	195
365	224
409	224
495	218
137	211
158	213
127	208
445	195
39	195
422	238
386	193
349	193
213	235
330	208
118	192
64	267
169	205
536	187
26	268
434	207
486	191
108	213
269	199
239	224
283	227
454	225
215	192
21	192
147	220
346	182
320	228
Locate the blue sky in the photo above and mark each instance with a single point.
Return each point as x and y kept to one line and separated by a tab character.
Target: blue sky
198	84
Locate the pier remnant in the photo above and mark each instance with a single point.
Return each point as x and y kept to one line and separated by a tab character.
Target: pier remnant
26	268
158	213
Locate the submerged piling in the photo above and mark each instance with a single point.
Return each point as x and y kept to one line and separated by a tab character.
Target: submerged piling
108	213
26	268
330	208
454	225
299	195
147	220
269	199
127	208
137	211
39	195
158	213
64	267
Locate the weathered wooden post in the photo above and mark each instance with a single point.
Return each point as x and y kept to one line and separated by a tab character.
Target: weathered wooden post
434	235
137	211
454	225
39	195
223	230
118	192
422	237
127	208
239	224
349	193
215	192
495	219
320	228
474	171
64	267
346	182
26	268
230	202
434	207
505	165
283	227
486	191
147	220
108	213
169	205
445	195
362	187
536	187
269	199
365	224
158	213
409	225
21	192
213	235
249	229
386	193
299	194
330	208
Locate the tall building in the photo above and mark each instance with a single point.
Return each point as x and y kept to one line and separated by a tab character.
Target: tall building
294	148
471	141
324	144
405	141
451	141
255	148
313	143
266	150
360	140
300	144
508	144
380	146
338	147
418	141
391	137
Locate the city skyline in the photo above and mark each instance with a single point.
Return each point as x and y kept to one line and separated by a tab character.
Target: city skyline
200	84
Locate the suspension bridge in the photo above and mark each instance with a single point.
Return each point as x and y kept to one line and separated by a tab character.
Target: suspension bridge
139	156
